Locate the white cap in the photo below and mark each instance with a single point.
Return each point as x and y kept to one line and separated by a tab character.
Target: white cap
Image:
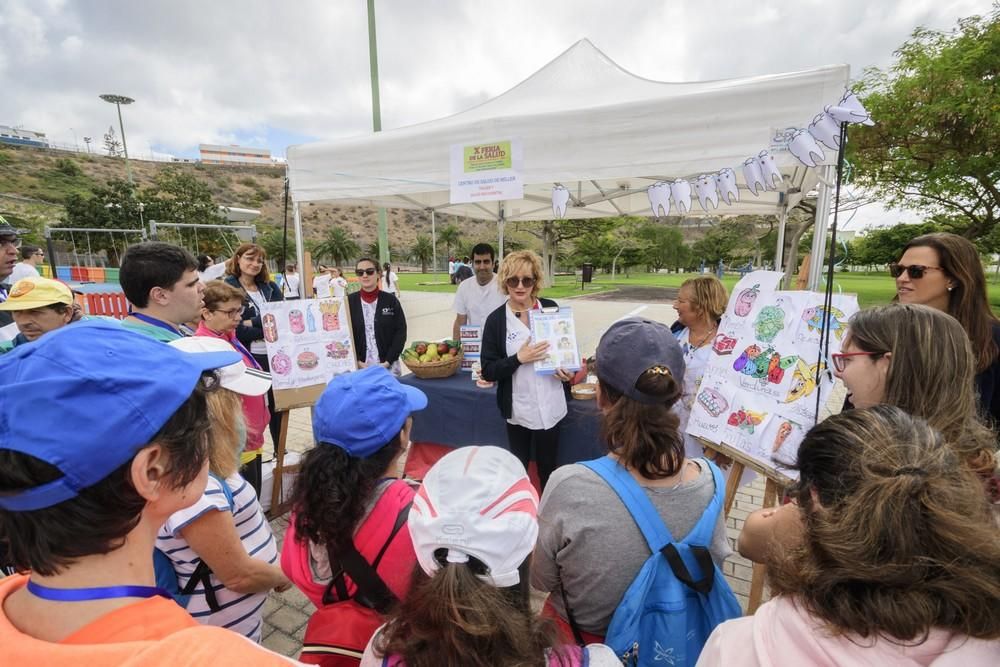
237	377
476	502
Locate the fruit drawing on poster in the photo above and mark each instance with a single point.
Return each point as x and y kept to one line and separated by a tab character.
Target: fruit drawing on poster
558	329
308	341
758	394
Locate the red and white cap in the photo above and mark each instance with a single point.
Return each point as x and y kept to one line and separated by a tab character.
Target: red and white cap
476	502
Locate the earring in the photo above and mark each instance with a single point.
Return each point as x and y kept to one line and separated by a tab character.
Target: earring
951	287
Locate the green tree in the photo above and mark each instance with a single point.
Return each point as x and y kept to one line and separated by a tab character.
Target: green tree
337	246
273	243
422	251
666	247
111	206
450	237
936	142
885	245
730	240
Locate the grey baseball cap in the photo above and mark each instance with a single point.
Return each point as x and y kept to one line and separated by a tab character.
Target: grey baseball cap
632	346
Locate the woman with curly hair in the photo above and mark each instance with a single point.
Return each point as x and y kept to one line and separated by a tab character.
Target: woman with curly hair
347	494
891	558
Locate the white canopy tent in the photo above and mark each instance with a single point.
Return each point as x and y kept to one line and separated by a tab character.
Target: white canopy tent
589	125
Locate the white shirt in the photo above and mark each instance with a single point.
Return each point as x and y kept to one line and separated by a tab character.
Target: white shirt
538	401
695	362
477	301
239	612
258	346
390	282
22	270
291	284
325	286
368	312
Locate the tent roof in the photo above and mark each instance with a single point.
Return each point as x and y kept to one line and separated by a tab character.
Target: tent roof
588	124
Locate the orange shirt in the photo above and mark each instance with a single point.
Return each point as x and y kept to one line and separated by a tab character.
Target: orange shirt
153	631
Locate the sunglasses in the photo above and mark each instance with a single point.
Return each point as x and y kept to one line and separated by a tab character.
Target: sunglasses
14	242
365	272
840	359
526	281
916	271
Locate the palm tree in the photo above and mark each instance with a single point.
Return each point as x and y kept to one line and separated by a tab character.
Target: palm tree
422	251
450	237
338	246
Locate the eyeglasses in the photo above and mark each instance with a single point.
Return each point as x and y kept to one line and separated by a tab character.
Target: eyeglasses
916	271
840	359
232	312
12	242
365	272
526	281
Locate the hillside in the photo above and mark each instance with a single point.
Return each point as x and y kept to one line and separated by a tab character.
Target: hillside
33	188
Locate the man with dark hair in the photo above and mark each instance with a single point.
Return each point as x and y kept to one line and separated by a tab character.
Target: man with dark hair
38	305
9	244
161	282
82	499
31	257
476	299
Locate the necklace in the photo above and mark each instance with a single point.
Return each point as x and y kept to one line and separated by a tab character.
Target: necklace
711	333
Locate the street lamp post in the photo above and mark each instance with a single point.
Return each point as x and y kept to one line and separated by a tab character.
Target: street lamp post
118	101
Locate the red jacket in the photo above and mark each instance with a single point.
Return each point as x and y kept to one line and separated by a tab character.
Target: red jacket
255	412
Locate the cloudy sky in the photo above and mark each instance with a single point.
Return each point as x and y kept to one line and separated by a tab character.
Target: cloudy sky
278	73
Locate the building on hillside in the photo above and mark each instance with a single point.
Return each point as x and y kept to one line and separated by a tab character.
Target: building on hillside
22	137
241	155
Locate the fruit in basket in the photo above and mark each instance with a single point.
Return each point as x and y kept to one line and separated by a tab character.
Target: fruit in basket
420	348
432	352
442	348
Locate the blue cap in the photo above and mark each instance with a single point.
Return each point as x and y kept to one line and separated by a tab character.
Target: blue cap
103	393
361	412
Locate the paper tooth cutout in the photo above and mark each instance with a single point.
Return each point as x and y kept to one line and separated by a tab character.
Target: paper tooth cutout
560	197
753	176
659	198
826	130
681	192
850	110
804	147
725	183
704	185
769	170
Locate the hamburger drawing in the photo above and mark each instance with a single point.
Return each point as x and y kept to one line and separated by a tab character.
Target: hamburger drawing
307	360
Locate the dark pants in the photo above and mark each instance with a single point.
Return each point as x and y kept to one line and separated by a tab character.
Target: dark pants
542	447
253	473
275	425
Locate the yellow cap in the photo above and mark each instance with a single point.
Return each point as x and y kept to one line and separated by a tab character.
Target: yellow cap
36	292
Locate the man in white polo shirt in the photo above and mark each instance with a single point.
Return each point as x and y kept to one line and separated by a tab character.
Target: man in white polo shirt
476	299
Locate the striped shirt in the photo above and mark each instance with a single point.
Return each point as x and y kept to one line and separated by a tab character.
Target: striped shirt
239	612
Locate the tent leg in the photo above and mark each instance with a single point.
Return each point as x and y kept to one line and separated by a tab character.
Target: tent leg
434	244
501	222
818	251
300	251
779	251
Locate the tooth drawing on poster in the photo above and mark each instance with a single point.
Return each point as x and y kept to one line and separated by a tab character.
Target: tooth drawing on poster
758	394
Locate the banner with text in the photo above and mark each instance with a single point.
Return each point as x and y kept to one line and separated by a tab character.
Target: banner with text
486	172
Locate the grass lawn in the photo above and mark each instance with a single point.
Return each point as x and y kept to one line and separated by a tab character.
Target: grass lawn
871	288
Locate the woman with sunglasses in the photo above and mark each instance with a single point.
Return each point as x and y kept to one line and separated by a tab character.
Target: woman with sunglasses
377	320
533	404
944	271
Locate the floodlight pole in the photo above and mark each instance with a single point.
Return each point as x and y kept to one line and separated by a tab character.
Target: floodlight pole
118	101
383	226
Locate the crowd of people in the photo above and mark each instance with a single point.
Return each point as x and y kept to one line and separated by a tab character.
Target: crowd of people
130	472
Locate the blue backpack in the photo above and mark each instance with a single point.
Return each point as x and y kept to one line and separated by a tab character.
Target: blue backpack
679	595
166	576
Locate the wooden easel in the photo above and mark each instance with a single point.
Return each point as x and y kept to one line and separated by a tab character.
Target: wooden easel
772	485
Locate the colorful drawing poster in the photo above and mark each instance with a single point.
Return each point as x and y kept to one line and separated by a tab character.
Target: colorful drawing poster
308	341
558	329
759	392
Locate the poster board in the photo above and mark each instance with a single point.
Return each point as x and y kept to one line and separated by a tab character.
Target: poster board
309	342
757	398
558	328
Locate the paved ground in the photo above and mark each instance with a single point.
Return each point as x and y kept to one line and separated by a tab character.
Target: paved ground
428	317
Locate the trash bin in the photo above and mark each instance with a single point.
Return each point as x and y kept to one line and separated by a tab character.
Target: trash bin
587	271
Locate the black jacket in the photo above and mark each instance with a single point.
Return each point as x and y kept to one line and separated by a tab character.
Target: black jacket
390	327
248	334
497	366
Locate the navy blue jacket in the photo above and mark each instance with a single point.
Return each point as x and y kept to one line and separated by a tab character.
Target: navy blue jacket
248	334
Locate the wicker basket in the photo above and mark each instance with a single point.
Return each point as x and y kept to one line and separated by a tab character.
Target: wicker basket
435	369
584	391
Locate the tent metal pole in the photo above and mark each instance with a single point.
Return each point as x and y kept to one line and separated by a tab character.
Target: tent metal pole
819	228
300	250
434	244
501	222
383	225
779	251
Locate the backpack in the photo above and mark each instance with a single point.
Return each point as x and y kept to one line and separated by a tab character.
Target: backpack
166	575
339	631
679	595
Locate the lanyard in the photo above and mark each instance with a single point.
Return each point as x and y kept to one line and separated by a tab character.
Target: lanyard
157	323
97	593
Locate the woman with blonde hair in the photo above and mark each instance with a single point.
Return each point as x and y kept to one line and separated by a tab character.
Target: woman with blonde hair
944	271
700	303
224	540
891	559
533	404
